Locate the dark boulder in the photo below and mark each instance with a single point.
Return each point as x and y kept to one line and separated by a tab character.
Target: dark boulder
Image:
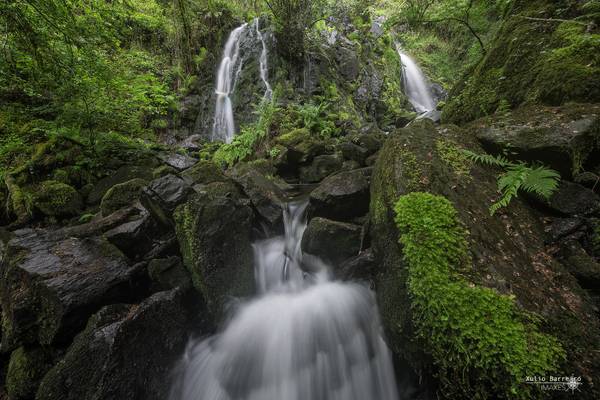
169	273
123	174
353	152
320	168
136	236
266	197
26	368
178	161
301	146
125	352
51	284
560	228
573	199
57	199
332	241
361	267
163	195
214	232
583	267
121	195
342	196
203	172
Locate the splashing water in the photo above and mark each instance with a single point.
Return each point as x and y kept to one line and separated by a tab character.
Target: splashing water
264	67
304	338
415	84
224	125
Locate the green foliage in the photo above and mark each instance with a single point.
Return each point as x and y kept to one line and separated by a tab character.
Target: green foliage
518	176
244	144
454	156
482	345
316	119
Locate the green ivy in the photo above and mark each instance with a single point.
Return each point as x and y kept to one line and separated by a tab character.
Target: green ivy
481	344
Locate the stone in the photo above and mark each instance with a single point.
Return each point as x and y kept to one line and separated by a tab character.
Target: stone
562	227
169	273
125	352
214	230
163	195
573	199
266	197
320	168
121	195
342	196
353	152
26	369
57	199
178	161
583	267
51	284
203	172
301	146
361	267
333	241
123	174
136	236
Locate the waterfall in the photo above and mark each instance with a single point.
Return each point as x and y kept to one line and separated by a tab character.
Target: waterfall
304	336
264	67
416	85
229	70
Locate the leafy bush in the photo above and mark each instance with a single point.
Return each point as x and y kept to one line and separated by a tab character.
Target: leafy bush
482	345
518	176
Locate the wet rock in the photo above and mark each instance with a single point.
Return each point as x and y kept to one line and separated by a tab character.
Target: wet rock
581	266
264	194
332	241
214	232
560	137
203	172
362	267
26	368
320	168
433	115
169	273
125	352
562	227
135	237
301	146
371	142
163	170
163	195
353	152
123	174
178	161
342	196
51	284
192	143
121	195
56	199
348	62
573	199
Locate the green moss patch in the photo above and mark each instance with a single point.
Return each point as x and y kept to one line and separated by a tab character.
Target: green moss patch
57	199
482	345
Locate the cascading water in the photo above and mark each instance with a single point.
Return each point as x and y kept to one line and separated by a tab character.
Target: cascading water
229	70
304	338
415	84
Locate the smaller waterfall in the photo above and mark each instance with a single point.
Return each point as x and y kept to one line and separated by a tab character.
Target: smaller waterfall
416	85
229	69
264	67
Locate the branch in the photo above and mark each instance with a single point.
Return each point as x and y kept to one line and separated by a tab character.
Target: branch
465	23
552	20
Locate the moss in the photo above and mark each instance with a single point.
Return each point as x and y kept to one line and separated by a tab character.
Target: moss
482	345
453	155
121	195
57	199
204	172
25	371
163	170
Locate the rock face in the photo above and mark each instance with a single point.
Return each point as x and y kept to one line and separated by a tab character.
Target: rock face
137	235
560	137
26	369
332	241
51	285
125	352
342	196
214	232
163	195
507	250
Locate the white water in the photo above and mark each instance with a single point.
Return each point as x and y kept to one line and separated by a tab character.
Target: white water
416	85
229	70
304	338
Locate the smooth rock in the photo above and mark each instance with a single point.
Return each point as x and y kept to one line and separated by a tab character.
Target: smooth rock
342	196
163	195
320	168
574	199
178	161
333	241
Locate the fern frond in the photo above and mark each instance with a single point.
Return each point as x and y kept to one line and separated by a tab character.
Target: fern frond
487	159
541	180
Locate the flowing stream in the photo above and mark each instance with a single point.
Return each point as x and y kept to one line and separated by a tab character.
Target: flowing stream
415	85
229	70
304	337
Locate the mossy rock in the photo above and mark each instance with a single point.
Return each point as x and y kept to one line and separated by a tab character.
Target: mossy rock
57	199
203	172
26	369
121	195
163	170
508	252
302	146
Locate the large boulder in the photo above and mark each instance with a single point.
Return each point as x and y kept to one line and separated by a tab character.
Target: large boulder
125	352
507	250
301	146
57	199
26	369
214	231
121	195
52	283
333	241
137	235
560	137
573	199
321	167
178	161
203	172
123	174
163	195
342	196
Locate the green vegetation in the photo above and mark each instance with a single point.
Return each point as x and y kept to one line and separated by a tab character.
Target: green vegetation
518	176
481	343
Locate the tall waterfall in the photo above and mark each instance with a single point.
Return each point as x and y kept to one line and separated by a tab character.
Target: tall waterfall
304	336
229	69
416	85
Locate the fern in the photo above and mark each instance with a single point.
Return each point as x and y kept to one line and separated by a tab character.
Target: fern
518	176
